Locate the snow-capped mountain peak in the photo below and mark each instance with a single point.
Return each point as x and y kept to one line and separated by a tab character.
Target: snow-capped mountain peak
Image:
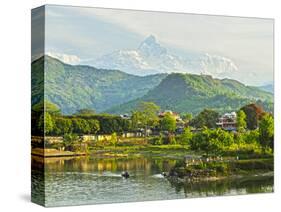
150	47
151	57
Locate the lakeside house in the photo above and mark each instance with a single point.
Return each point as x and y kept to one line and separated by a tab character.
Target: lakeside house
228	121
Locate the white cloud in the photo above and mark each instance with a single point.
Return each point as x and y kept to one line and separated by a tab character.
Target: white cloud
92	32
66	58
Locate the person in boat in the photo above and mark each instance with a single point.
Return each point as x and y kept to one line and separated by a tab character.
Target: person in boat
125	174
164	174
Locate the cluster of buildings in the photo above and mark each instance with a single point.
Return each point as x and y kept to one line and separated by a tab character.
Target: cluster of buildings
227	121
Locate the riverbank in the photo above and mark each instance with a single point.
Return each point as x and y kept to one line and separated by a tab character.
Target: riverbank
47	153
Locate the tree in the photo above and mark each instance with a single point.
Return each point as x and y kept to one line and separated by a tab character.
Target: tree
80	126
201	140
46	106
68	140
212	140
266	131
85	127
136	120
168	123
206	118
62	126
112	123
94	126
46	123
187	136
241	121
114	139
186	117
148	114
251	137
160	139
253	113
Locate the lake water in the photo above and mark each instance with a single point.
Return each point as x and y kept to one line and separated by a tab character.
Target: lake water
93	181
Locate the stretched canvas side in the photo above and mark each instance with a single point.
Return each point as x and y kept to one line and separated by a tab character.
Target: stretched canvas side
38	106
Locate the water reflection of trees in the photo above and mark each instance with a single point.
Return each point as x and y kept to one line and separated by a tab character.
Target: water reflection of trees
248	185
88	164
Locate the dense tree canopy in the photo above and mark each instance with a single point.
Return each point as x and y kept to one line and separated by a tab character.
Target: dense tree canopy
266	131
206	118
253	113
241	121
186	117
168	123
62	126
46	123
148	113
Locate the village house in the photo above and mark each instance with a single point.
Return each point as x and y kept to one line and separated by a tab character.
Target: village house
228	121
180	122
174	114
125	116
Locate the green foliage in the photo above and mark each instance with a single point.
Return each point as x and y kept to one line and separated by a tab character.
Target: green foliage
186	137
46	123
148	111
218	141
206	118
171	139
136	119
186	117
89	124
146	115
46	106
76	87
251	137
266	131
192	93
160	140
114	139
81	126
68	140
110	124
168	123
94	126
212	141
241	121
62	126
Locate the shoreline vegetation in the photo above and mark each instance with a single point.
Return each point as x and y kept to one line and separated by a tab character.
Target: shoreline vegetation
203	150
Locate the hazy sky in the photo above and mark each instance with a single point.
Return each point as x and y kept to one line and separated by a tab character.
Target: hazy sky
80	34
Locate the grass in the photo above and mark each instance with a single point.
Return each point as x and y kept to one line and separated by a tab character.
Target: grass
225	168
164	151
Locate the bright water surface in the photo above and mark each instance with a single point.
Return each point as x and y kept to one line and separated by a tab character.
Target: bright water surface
91	181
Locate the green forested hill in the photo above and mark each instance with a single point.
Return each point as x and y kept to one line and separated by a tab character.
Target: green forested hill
76	87
192	93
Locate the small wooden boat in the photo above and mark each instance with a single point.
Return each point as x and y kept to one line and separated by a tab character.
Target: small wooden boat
125	174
